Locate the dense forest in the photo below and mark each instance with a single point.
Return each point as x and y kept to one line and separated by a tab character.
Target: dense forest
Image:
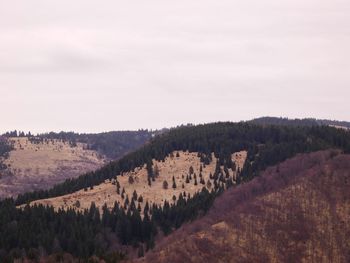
40	230
299	122
111	144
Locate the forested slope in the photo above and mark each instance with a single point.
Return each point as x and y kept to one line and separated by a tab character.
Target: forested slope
91	233
297	211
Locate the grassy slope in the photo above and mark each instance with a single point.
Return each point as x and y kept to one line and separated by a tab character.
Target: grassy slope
42	165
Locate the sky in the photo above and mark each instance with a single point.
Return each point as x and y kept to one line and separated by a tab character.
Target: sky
93	66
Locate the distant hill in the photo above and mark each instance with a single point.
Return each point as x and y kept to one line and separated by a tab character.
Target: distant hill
300	122
297	211
112	145
33	162
39	165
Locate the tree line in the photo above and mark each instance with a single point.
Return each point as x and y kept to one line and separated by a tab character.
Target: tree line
299	122
266	145
111	144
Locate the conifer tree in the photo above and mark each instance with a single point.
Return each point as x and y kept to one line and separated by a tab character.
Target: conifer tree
134	195
208	184
156	171
126	202
146	209
139	207
174	183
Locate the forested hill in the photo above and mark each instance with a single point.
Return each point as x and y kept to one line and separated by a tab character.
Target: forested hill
103	233
300	122
266	145
113	144
297	211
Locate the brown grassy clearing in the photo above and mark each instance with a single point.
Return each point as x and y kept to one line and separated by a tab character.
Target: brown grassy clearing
39	166
177	167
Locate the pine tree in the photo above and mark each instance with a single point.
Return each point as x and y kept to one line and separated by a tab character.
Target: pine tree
132	205
126	202
174	183
146	209
139	208
165	184
149	169
118	188
134	195
208	184
156	171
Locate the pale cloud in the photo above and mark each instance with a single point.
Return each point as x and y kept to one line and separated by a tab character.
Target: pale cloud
106	65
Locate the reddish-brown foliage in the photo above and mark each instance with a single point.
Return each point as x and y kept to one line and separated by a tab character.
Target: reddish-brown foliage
294	212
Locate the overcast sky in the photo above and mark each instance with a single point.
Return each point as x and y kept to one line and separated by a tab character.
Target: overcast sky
93	66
